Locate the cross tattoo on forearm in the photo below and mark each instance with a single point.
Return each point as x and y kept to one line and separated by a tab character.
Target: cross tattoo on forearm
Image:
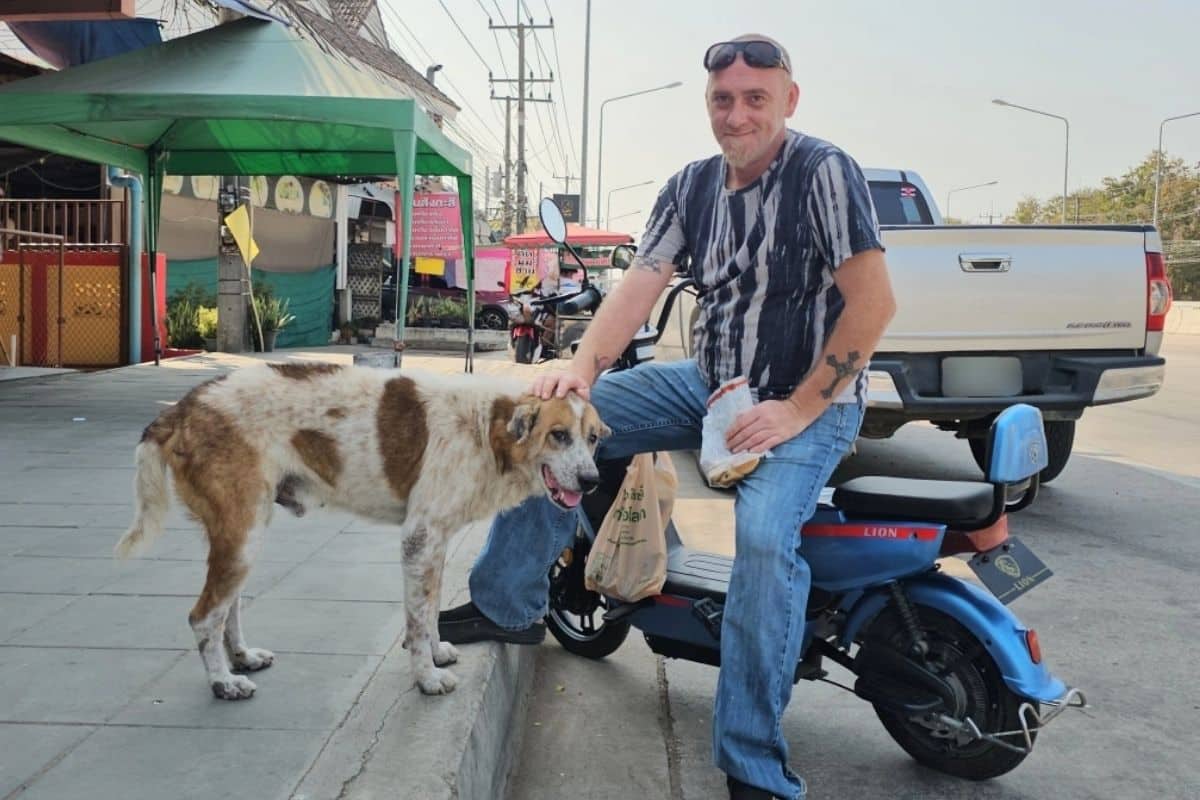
843	369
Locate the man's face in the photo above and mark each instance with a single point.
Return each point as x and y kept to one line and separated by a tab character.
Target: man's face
748	108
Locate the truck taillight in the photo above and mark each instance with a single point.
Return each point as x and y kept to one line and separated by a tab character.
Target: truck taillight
1158	292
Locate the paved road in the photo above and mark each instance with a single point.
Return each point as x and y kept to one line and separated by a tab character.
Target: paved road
1119	619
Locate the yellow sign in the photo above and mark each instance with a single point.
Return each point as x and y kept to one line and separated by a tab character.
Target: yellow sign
239	226
430	266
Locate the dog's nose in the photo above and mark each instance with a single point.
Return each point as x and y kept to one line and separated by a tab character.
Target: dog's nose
588	484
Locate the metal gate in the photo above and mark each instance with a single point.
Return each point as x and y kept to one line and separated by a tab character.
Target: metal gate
63	307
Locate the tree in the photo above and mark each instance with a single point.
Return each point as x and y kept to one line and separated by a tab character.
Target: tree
1129	200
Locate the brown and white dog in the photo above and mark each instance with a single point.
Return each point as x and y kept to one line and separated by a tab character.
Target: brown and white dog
430	453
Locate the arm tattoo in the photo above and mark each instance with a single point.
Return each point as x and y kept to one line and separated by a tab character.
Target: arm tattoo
842	369
648	265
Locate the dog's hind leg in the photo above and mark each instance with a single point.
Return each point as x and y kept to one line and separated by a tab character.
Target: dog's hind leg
424	553
231	552
243	657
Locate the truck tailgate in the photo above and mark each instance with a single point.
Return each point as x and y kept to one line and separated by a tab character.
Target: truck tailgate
1022	288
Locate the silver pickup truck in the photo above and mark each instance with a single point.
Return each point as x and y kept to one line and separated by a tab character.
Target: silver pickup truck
1062	317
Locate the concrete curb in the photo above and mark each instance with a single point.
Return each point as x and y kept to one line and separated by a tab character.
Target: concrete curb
395	742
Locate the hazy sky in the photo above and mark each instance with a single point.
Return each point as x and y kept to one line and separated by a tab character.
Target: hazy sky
903	85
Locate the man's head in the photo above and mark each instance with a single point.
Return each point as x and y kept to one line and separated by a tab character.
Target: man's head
750	95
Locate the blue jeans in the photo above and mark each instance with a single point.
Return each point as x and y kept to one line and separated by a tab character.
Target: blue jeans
661	407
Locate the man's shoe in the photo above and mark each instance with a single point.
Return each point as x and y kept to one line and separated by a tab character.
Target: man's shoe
744	791
466	623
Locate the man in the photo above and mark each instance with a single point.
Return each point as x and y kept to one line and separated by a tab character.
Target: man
783	240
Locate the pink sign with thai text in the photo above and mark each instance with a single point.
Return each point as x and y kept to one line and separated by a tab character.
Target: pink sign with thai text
437	225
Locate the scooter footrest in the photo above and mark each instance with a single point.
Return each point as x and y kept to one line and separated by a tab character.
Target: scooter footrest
709	612
620	612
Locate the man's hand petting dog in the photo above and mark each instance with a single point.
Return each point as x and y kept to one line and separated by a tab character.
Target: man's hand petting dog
559	384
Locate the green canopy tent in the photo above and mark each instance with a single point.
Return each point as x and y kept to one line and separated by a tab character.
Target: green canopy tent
246	98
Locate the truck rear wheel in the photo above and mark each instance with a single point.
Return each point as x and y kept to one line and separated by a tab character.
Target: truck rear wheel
1060	437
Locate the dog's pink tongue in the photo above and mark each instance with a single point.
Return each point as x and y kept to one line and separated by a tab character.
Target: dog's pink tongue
570	499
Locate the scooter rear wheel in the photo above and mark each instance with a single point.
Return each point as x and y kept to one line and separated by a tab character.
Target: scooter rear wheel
981	694
576	616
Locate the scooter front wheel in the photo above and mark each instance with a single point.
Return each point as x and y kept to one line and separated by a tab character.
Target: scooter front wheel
576	616
980	695
524	349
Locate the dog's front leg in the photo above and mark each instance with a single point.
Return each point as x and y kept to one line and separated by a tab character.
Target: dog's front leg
424	557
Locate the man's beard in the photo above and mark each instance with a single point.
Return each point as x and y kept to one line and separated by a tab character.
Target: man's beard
738	155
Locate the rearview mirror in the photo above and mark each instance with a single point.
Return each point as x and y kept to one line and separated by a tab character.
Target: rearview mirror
622	256
552	220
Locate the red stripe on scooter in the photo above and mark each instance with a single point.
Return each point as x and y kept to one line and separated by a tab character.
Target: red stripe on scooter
671	600
875	531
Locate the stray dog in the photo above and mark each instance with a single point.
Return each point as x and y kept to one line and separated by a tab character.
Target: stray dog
430	453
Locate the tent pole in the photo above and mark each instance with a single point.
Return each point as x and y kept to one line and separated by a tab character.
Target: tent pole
406	165
153	212
466	207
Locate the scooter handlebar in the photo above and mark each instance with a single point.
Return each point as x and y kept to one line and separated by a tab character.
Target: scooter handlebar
587	300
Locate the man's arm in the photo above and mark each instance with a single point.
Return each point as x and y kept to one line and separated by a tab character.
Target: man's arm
869	307
621	314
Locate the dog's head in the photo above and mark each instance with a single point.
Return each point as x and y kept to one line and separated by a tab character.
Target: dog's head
556	439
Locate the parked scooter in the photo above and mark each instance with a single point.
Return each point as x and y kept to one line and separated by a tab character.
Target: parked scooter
534	330
956	679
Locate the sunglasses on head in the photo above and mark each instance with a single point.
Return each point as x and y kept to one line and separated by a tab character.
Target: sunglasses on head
756	53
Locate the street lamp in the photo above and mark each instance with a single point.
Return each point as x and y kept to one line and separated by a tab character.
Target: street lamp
623	216
1158	166
600	143
1067	151
608	207
963	189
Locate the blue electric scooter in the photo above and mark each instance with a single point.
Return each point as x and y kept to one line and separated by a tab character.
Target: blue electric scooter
955	678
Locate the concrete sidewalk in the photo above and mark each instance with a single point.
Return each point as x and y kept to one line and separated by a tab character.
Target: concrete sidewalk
101	691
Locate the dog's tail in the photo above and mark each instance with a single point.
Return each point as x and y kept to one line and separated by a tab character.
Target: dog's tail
151	498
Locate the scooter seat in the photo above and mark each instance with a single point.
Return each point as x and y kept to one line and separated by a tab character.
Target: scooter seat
959	504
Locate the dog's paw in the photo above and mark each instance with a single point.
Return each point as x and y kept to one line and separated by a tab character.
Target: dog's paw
252	659
235	687
436	681
444	653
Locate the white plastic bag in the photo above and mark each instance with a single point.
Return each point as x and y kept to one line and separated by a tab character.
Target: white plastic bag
720	466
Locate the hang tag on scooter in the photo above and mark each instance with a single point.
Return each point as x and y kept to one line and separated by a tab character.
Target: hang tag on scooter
1009	570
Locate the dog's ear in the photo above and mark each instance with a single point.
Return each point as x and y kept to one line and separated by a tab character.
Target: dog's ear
524	417
604	431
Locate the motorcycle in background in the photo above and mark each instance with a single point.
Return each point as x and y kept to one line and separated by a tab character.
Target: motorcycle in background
534	329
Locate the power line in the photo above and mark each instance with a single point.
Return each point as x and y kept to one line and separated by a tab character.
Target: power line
466	38
562	87
394	14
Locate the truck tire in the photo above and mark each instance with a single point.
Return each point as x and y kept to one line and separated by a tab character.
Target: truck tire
1060	437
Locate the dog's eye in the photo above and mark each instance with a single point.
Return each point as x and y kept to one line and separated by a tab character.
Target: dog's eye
593	438
561	436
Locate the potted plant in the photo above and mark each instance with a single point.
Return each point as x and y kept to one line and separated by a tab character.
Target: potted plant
206	326
273	316
366	329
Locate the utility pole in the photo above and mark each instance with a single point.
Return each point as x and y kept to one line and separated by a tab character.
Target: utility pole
587	61
566	179
521	80
487	188
507	165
